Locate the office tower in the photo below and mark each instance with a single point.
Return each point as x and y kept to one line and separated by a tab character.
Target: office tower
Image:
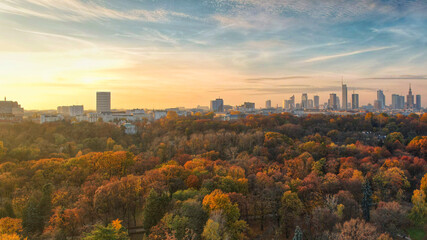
332	103
316	102
395	101
268	104
310	104
304	99
289	104
338	103
401	102
418	103
103	102
381	99
410	98
354	101
344	97
292	101
217	105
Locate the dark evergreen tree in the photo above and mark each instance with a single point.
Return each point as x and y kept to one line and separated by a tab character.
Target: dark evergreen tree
298	234
156	206
37	212
367	200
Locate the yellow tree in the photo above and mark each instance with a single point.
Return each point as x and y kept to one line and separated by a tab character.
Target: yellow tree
418	212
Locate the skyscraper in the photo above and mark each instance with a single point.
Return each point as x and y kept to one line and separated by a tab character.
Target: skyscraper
418	102
410	98
381	99
395	101
310	104
332	103
354	101
316	102
401	102
103	102
217	105
268	104
304	99
289	104
344	97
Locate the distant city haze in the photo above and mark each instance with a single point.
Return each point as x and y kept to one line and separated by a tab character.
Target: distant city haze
184	54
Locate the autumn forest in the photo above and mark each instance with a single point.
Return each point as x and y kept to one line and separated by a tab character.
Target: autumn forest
262	177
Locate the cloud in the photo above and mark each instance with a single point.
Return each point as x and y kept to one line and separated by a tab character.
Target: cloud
78	10
339	10
400	77
328	57
261	79
53	35
289	89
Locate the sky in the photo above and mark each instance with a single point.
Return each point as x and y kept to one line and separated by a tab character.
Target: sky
184	53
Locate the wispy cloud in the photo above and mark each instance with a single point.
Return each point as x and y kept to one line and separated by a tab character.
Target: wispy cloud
400	77
288	89
261	79
77	10
61	36
328	57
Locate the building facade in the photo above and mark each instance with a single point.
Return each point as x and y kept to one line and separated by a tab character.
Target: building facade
344	97
355	101
381	99
332	103
217	105
103	102
316	102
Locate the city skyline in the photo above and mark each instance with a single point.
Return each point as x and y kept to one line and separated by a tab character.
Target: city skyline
165	54
397	102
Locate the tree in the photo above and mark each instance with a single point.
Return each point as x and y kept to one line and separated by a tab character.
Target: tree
423	184
37	212
10	225
3	150
212	231
367	200
356	229
156	205
171	115
114	231
298	234
418	213
394	137
390	217
390	181
225	214
291	209
65	222
218	200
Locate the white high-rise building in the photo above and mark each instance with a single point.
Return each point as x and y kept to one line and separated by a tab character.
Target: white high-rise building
268	104
103	102
316	102
344	97
381	99
304	101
